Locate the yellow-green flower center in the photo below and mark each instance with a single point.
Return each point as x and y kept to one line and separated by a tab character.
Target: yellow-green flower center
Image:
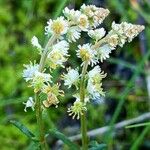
85	56
57	27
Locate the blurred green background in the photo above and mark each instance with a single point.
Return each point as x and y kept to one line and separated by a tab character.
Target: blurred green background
128	70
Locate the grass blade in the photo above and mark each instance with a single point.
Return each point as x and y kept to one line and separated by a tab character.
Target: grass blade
23	129
138	125
140	138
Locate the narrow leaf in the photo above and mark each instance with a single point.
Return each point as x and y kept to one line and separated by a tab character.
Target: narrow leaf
138	141
138	125
64	139
23	129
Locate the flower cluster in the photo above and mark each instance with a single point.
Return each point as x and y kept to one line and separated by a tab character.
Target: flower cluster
41	81
88	19
65	30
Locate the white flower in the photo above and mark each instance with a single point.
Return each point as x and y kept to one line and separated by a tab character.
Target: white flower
73	34
87	54
43	76
29	103
94	86
30	71
39	79
96	72
59	54
83	22
103	52
95	90
96	15
57	27
35	42
99	15
117	28
71	14
77	109
126	31
88	10
71	78
97	34
113	40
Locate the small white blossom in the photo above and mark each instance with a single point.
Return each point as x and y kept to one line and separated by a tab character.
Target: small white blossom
71	78
97	34
73	34
57	27
103	52
99	15
87	54
113	40
45	77
30	71
39	79
96	71
83	22
35	42
59	54
88	10
29	103
95	90
94	86
77	109
96	15
71	15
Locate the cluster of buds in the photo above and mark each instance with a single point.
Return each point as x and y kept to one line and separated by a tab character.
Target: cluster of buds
67	29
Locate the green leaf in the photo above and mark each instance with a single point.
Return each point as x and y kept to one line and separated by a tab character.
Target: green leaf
24	129
139	140
33	146
138	125
64	139
94	145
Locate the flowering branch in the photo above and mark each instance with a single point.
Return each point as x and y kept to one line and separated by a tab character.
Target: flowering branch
37	99
88	83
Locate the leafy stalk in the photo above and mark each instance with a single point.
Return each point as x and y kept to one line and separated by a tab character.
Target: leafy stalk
38	108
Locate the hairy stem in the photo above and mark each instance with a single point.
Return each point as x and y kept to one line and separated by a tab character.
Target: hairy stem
45	52
38	108
83	116
42	139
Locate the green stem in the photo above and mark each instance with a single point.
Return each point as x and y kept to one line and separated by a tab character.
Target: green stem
83	116
38	108
45	52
